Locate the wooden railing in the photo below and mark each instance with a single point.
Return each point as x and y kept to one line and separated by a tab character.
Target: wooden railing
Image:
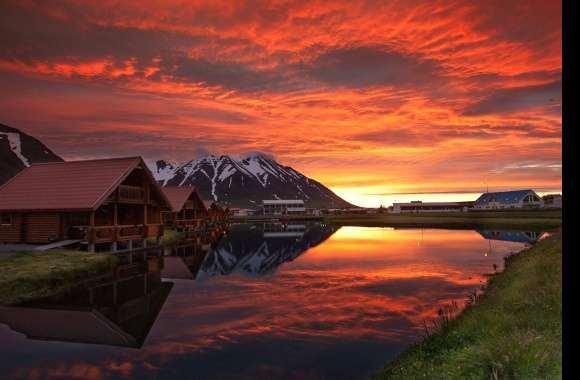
188	222
109	234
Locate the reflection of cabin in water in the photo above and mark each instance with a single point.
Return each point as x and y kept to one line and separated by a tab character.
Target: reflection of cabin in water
119	311
187	208
183	262
527	237
98	202
279	230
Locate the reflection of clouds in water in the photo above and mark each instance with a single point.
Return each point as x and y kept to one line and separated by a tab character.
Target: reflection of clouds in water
344	307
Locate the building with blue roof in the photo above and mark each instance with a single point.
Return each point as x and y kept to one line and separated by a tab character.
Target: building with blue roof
508	199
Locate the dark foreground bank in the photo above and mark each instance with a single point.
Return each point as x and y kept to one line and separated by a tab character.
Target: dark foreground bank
513	332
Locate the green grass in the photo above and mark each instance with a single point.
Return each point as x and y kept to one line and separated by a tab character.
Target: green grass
513	332
510	219
28	275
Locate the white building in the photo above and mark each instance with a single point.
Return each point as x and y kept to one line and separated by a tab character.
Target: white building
508	200
419	206
552	201
283	207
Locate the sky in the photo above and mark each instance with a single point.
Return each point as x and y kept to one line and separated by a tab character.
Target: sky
378	100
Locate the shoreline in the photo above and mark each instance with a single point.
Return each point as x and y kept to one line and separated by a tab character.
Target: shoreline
533	220
514	329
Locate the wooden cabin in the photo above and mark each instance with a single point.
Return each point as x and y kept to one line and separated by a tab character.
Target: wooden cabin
215	212
187	208
110	202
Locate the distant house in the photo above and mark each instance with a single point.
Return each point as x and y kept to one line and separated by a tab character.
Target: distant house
187	208
419	206
508	200
552	201
111	202
283	207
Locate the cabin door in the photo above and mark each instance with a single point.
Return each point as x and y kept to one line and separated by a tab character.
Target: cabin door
42	228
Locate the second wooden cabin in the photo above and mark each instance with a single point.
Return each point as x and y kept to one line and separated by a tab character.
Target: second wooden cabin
187	209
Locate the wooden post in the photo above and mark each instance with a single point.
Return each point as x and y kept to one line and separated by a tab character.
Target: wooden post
92	231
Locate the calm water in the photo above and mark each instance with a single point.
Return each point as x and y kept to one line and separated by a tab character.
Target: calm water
303	301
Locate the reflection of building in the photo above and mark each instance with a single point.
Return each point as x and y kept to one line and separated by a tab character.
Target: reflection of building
183	262
508	199
552	201
419	206
283	207
514	236
273	230
118	312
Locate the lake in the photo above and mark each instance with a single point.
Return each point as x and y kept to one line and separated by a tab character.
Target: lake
271	301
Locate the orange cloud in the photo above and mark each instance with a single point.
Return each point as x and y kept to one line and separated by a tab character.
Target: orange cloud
379	96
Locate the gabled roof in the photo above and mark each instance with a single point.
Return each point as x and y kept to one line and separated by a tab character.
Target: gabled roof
503	196
178	195
70	186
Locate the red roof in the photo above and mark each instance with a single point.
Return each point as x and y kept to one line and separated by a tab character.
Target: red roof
178	195
73	185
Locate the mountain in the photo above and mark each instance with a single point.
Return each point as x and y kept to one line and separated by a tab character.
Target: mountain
18	150
244	182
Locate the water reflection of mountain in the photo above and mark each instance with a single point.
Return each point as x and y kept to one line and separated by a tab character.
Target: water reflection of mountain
259	249
117	311
527	237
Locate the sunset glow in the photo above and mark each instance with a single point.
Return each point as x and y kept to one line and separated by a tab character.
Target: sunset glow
380	101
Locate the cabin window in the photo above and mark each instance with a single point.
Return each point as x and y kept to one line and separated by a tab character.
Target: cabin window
5	219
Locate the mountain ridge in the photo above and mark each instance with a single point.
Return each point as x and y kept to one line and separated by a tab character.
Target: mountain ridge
229	180
19	150
234	181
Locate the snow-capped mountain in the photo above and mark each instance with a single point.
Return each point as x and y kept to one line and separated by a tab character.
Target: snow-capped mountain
251	250
244	182
18	150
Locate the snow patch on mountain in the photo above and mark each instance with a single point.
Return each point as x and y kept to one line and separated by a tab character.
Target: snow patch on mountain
16	146
163	171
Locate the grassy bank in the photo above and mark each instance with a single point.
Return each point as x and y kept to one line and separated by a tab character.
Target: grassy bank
27	275
513	332
534	220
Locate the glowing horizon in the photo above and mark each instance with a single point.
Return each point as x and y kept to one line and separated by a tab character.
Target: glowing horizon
369	98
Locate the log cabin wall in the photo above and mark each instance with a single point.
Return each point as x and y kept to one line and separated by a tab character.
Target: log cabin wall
11	229
42	227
